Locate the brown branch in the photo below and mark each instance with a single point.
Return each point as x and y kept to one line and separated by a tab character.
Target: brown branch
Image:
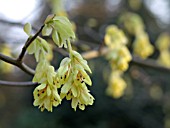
17	84
18	62
20	65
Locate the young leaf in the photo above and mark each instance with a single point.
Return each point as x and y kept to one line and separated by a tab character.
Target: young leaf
27	28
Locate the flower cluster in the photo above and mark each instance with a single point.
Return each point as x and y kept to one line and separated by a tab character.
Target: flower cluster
46	95
118	54
119	57
72	75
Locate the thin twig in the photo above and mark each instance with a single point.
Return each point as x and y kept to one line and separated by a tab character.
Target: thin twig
17	84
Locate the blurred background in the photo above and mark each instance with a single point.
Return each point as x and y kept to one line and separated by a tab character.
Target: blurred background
145	103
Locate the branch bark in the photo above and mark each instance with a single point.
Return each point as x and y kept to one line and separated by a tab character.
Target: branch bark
20	65
17	84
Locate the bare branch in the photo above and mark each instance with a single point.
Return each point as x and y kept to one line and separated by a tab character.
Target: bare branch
17	84
17	63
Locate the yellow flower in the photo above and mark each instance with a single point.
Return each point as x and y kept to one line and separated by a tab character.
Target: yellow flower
116	86
74	78
142	46
46	95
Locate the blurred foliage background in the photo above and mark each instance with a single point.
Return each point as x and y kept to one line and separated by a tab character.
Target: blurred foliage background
145	103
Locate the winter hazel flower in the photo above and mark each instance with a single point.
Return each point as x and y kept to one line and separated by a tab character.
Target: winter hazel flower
74	78
46	95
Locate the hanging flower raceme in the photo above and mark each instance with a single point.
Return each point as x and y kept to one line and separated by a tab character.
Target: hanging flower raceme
46	95
74	78
119	57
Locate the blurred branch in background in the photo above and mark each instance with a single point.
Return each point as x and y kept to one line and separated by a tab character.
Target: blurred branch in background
17	84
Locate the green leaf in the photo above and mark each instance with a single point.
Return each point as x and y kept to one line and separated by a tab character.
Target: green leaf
27	28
